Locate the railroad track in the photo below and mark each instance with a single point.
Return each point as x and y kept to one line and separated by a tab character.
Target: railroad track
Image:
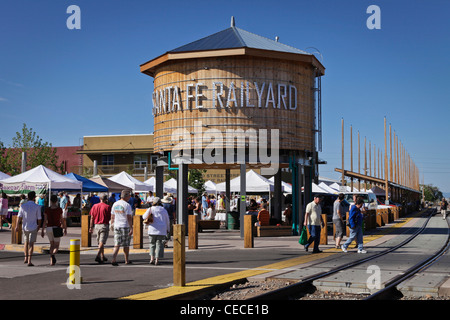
389	290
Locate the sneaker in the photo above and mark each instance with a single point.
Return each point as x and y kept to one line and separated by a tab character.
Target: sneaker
343	248
362	251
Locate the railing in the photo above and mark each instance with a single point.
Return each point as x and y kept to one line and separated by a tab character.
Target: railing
110	170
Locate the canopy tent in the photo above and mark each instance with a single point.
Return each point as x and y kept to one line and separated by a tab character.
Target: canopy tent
378	191
287	186
166	188
134	184
335	186
316	189
254	183
325	187
4	176
112	186
88	185
39	179
172	184
210	187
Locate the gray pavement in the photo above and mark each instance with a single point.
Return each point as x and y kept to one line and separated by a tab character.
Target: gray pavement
220	258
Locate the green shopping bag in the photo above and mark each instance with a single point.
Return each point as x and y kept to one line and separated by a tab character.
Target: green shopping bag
303	237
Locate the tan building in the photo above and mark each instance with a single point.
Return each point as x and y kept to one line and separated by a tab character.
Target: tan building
130	153
111	154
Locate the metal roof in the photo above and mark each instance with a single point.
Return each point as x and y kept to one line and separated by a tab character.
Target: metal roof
234	37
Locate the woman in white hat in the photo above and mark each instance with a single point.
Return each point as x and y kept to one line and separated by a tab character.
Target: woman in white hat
158	228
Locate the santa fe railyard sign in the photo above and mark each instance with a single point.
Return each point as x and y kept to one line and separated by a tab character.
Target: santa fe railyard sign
278	96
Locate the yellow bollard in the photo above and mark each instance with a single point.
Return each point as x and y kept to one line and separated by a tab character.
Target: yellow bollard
74	265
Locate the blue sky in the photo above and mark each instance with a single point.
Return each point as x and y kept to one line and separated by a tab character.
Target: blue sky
66	84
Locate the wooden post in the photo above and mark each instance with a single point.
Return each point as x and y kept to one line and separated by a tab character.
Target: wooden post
359	163
386	165
351	157
179	255
343	176
85	235
248	234
16	237
193	232
324	231
138	233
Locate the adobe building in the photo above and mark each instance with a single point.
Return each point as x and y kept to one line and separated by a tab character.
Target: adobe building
234	81
108	155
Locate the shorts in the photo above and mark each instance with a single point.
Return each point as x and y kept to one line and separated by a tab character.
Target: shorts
30	236
64	213
339	228
122	237
102	231
4	211
51	237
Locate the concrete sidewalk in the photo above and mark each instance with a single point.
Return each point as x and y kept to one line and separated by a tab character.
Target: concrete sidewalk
208	239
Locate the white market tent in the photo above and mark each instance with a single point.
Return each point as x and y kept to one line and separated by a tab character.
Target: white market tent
127	180
4	176
172	185
38	179
335	186
287	187
325	187
152	183
254	183
316	189
210	187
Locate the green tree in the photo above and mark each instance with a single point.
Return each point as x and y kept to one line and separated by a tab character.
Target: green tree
195	179
432	193
38	152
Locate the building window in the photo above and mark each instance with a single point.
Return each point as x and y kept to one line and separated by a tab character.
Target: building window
140	161
107	160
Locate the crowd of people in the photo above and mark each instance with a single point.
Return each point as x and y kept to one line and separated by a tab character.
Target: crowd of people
314	222
109	214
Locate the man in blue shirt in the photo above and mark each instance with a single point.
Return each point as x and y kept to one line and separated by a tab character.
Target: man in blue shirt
205	204
355	219
63	203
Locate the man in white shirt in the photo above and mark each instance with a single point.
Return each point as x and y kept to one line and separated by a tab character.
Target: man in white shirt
150	198
314	221
122	221
30	216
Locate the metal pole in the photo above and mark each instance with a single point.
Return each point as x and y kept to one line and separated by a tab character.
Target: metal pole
243	206
159	183
182	191
24	161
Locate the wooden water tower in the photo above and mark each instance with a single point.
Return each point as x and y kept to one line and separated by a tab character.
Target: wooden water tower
237	80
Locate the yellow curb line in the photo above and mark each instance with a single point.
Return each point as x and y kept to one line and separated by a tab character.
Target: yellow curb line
223	279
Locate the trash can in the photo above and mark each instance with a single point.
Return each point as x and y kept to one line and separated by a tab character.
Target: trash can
233	220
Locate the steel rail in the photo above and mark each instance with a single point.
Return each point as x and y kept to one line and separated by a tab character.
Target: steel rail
424	264
300	286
